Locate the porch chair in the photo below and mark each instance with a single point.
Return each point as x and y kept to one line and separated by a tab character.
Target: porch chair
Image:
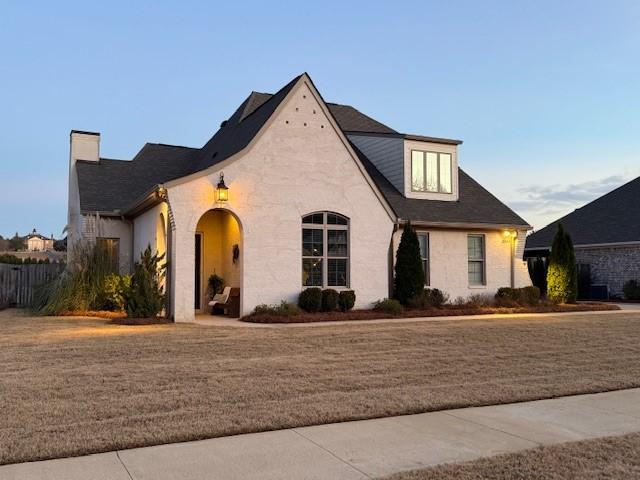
220	298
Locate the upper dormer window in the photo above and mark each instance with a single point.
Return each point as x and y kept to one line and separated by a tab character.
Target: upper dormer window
431	172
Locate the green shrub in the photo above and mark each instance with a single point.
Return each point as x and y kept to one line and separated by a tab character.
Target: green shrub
512	297
285	309
114	292
479	300
531	295
631	290
145	298
409	278
562	275
346	300
390	306
329	300
429	297
310	299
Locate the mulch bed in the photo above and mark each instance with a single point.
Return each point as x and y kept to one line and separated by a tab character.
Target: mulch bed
445	311
93	314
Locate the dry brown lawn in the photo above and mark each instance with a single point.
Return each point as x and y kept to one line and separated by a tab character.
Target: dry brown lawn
607	458
75	386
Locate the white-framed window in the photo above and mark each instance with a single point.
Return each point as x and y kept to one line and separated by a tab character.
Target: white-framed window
325	250
423	239
431	172
477	260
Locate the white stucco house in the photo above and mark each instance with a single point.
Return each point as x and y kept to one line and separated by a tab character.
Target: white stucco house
317	194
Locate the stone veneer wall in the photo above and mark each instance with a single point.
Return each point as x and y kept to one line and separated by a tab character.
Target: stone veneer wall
611	265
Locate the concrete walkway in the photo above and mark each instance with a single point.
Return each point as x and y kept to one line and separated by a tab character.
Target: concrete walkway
359	450
220	321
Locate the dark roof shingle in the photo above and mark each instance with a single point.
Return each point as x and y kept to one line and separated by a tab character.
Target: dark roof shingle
612	218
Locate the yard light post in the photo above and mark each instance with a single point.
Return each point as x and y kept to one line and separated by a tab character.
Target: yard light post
222	191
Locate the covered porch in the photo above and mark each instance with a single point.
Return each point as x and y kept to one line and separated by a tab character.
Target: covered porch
218	256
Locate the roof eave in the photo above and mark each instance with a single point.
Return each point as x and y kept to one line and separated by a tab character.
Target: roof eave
467	225
406	136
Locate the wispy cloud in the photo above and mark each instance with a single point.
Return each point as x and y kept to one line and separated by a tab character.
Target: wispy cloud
544	204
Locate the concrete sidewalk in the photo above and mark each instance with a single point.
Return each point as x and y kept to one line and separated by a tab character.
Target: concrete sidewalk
359	450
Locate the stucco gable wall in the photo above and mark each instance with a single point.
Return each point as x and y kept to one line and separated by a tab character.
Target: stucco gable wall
297	166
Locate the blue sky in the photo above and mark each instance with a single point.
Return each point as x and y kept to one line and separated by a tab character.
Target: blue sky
545	95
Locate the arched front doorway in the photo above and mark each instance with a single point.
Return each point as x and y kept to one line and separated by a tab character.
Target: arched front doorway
218	251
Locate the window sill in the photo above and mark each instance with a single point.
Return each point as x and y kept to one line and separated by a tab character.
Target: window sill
477	287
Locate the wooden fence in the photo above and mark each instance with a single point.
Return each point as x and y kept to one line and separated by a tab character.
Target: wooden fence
18	282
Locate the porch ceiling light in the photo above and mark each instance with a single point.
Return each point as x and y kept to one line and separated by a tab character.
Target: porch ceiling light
222	191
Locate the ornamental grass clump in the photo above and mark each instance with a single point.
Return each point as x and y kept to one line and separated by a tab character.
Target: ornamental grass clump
80	286
562	275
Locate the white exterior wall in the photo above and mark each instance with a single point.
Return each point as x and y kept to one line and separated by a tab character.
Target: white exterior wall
448	262
146	231
292	170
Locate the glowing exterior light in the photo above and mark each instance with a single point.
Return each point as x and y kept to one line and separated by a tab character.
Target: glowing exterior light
222	191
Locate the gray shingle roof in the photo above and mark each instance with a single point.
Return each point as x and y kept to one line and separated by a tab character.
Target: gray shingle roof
111	185
612	218
475	205
116	185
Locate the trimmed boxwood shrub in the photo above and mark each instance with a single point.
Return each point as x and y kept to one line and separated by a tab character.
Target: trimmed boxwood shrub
346	300
429	297
388	305
285	309
506	296
631	290
329	300
310	299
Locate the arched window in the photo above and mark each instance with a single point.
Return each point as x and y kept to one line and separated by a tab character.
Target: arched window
325	250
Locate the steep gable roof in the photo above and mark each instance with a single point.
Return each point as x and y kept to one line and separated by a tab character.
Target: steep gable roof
117	185
612	218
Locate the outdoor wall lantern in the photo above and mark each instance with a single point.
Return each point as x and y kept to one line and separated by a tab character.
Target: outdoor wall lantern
222	191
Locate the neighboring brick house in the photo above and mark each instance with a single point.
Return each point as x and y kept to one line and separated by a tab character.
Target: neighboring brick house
606	236
317	193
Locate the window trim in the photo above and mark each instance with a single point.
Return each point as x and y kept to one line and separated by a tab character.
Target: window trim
482	261
325	227
424	169
427	259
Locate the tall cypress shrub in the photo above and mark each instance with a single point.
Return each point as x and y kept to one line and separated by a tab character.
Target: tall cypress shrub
562	275
409	278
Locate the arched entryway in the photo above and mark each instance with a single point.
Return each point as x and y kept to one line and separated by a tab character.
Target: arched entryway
218	251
